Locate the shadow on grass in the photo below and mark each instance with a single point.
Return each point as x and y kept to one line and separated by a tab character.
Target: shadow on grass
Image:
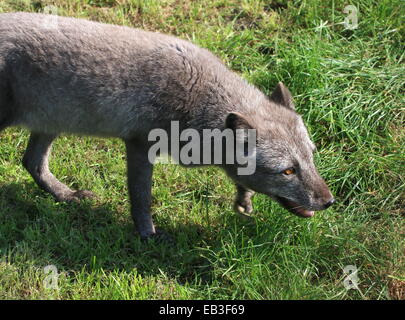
86	236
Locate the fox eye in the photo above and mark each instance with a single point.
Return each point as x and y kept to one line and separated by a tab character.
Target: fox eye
289	171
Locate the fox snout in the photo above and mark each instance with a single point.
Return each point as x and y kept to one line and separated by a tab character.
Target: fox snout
323	197
318	197
329	203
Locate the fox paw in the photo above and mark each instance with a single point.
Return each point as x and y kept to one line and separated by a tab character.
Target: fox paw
244	210
76	196
243	207
160	236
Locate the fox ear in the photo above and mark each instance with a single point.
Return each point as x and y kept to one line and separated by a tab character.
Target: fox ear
235	120
282	95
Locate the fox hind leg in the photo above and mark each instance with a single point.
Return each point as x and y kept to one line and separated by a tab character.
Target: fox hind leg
35	160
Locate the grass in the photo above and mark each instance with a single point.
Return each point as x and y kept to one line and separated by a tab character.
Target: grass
349	87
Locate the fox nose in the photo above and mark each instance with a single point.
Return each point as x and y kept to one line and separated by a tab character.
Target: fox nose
329	203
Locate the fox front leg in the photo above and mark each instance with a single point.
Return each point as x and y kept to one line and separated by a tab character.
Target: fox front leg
140	171
140	188
243	201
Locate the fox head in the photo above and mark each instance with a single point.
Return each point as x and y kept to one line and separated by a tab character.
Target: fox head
285	168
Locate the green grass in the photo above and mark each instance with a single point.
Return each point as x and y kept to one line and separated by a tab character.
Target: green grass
349	87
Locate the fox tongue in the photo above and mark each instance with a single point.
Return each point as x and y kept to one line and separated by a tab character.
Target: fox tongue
307	213
295	208
300	211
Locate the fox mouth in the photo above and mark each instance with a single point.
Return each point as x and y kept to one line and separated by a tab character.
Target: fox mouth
294	207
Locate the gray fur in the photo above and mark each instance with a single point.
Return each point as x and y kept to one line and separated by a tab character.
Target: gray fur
88	78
